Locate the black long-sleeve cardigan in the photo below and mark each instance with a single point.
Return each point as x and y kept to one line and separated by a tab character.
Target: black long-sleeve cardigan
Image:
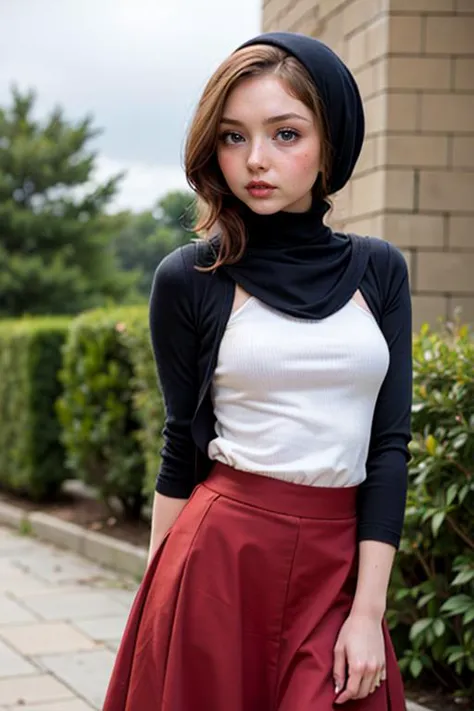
189	311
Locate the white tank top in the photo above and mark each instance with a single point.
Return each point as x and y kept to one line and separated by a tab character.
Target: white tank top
294	399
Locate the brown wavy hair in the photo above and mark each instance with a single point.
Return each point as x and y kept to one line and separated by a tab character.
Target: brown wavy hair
215	204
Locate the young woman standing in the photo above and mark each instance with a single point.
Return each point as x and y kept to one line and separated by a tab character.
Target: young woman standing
284	356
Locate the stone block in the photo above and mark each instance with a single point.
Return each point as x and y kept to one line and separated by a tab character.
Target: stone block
463	150
405	34
465	304
11	515
445	272
12	612
402	112
461	231
416	150
464	73
448	113
419	73
436	7
46	638
60	533
71	705
73	606
412	231
400	189
12	664
449	35
428	309
446	191
103	630
87	673
32	689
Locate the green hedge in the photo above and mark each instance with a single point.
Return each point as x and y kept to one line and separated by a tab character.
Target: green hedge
432	593
111	410
31	454
147	399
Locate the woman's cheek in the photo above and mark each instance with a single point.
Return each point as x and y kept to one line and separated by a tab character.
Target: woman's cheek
227	165
304	164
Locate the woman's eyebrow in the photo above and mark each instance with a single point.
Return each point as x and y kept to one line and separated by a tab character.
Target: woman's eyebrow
272	119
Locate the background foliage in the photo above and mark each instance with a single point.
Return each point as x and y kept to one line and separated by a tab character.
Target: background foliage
31	453
432	594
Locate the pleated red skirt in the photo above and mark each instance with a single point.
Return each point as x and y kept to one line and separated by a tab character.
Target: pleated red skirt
242	604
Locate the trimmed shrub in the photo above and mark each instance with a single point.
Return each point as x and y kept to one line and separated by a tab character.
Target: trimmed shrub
148	401
100	423
31	453
431	609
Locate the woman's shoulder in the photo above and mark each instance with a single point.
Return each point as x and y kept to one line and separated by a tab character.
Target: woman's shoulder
386	257
387	267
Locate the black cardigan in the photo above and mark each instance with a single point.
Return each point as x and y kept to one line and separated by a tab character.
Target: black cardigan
188	316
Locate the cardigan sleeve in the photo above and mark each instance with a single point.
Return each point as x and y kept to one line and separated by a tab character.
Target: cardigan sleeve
174	341
382	496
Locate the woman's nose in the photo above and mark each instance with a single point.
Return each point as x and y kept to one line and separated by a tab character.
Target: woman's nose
257	157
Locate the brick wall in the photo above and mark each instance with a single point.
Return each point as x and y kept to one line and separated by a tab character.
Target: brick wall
414	183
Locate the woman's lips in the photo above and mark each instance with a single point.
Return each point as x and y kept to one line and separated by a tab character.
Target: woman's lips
260	191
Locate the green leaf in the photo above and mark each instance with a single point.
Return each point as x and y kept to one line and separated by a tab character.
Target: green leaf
425	599
416	667
469	616
439	627
436	522
419	627
460	441
457	605
451	494
465	576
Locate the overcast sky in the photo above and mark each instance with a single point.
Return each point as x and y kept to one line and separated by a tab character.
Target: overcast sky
137	65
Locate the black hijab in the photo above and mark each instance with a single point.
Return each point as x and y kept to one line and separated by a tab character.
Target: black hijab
293	262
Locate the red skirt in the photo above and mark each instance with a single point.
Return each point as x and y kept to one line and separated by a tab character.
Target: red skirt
242	604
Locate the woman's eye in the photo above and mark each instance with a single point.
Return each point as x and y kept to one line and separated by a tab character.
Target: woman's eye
230	137
288	135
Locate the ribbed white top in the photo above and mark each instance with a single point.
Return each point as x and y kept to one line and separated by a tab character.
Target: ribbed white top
294	399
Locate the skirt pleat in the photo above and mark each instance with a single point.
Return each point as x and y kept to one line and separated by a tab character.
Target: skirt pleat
241	606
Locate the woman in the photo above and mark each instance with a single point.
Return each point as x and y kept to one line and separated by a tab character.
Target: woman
284	356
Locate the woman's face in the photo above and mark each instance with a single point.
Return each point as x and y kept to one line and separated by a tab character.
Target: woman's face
269	136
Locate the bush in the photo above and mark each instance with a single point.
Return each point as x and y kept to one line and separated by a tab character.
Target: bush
148	402
100	423
431	608
31	453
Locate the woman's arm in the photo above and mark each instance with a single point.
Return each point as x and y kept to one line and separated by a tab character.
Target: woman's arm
175	345
375	566
165	513
359	654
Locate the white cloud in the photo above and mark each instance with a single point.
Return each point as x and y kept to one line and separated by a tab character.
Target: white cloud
144	183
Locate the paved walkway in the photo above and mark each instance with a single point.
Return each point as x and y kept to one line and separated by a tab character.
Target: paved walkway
61	618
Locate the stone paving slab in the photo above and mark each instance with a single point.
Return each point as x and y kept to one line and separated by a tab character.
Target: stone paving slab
12	612
74	705
61	618
73	606
33	689
46	638
84	672
103	630
13	664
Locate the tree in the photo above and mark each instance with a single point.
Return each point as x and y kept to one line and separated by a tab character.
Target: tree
56	253
149	236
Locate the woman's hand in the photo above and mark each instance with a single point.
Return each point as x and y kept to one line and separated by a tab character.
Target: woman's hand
359	651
